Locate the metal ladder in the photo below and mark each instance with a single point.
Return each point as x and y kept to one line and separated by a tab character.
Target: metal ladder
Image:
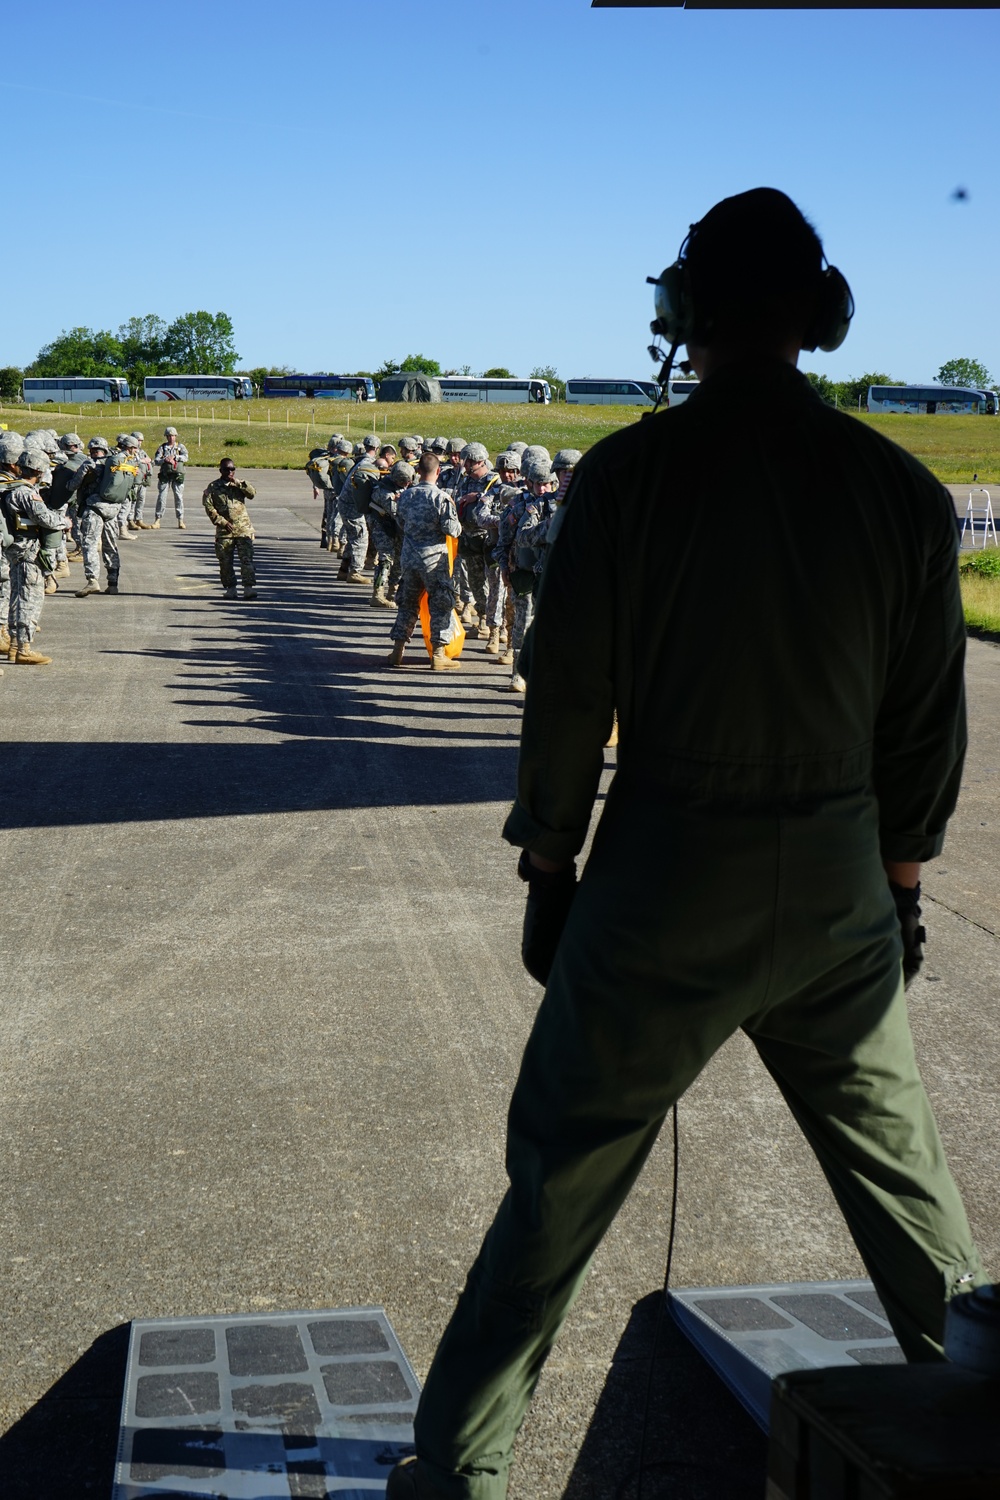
979	516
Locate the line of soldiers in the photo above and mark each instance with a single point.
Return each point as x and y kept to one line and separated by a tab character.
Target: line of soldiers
394	509
59	504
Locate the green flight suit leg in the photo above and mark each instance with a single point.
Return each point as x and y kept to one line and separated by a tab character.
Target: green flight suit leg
782	925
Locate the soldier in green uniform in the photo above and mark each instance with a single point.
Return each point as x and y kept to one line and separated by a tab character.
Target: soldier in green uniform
784	768
225	504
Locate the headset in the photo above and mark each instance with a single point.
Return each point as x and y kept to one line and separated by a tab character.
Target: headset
676	317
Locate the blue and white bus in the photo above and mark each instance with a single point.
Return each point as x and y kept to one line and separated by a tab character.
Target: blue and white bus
197	388
926	400
63	389
494	388
322	387
594	392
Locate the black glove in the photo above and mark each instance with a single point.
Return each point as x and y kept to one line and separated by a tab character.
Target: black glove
907	899
550	896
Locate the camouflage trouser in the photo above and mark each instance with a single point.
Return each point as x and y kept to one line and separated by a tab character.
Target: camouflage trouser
386	544
225	546
162	490
27	590
433	576
474	558
496	595
138	501
524	613
460	582
99	535
4	587
330	522
357	534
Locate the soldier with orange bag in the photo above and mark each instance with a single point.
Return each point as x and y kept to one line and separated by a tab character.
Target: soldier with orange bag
427	517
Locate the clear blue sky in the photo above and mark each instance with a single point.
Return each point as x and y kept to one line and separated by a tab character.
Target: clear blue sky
490	183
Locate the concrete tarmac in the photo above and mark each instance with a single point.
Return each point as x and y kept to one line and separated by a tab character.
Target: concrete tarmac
265	1008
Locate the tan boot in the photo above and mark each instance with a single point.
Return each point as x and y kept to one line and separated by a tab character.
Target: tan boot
90	587
493	643
4	638
517	683
357	578
379	601
613	737
62	571
51	587
125	536
154	526
395	657
27	658
442	663
507	659
469	616
181	526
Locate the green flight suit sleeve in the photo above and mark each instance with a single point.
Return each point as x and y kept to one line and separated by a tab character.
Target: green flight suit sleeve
920	730
568	660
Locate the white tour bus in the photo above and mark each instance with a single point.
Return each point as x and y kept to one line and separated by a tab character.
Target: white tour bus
478	388
679	390
197	388
591	392
64	389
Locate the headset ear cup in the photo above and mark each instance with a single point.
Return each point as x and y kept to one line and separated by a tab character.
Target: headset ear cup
834	311
672	304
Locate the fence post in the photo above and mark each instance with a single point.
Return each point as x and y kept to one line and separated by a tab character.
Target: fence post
199	438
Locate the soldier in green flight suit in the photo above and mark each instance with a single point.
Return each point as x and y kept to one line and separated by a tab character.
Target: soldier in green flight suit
784	768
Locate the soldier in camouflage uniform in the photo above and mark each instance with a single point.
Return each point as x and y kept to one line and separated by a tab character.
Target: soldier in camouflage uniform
453	469
318	470
126	443
11	448
53	557
478	479
385	531
353	505
526	555
427	516
486	514
98	515
139	490
225	505
27	518
170	458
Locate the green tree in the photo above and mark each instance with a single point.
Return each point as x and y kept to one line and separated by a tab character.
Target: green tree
970	373
10	383
386	368
548	372
497	373
79	351
419	364
258	373
850	392
824	386
201	343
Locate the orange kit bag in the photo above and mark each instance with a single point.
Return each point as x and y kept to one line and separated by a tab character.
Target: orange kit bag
453	648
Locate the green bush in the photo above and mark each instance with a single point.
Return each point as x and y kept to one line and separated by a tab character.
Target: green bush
236	442
985	564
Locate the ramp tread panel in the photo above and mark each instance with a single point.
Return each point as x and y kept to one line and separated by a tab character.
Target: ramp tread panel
750	1334
304	1404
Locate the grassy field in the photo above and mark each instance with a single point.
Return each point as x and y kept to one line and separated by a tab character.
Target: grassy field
979	577
279	434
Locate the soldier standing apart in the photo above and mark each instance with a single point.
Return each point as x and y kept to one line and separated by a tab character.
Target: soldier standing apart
26	521
99	484
225	503
170	457
427	516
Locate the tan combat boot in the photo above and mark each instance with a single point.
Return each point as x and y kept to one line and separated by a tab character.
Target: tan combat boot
395	657
4	638
181	526
469	616
63	570
51	587
25	657
507	658
154	526
90	587
493	644
442	663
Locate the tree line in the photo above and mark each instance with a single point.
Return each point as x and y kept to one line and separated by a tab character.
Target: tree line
971	374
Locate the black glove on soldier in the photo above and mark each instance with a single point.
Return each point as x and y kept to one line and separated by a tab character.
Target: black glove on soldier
550	896
907	899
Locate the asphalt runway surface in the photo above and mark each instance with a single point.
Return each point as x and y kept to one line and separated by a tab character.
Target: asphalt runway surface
264	1010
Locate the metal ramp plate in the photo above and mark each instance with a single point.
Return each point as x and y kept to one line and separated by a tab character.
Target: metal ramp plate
310	1404
750	1334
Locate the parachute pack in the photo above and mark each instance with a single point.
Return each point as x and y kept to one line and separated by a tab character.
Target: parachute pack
120	473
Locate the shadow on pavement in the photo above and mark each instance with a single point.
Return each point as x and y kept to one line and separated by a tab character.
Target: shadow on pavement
66	1444
700	1444
301	667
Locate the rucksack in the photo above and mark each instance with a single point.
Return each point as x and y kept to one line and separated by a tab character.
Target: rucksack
318	469
120	473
